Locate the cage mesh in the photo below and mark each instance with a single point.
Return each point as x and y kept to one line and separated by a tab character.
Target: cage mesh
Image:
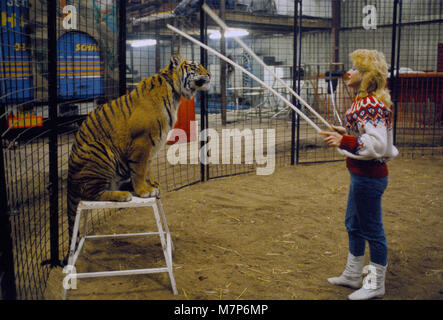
306	43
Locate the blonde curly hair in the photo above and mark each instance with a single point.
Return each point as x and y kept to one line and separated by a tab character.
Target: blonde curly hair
374	73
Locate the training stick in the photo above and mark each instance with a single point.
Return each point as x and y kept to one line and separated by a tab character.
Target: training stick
333	103
221	23
301	114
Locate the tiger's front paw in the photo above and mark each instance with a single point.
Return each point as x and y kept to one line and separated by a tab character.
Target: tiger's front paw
120	196
125	196
147	191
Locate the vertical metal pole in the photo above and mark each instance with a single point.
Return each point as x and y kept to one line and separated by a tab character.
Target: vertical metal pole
204	169
335	32
223	67
53	148
157	50
297	62
397	76
131	59
393	68
7	276
300	22
122	47
294	80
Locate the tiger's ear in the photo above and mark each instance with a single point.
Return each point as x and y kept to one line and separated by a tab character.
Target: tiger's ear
176	59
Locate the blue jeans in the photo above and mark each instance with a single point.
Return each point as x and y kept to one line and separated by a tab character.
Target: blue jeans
364	217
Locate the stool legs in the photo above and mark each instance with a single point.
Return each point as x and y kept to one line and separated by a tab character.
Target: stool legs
165	238
70	265
166	243
162	215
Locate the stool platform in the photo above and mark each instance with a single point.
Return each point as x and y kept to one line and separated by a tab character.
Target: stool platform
75	249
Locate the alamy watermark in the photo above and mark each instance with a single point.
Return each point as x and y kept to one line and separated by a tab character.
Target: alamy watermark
370	18
70	280
230	148
370	281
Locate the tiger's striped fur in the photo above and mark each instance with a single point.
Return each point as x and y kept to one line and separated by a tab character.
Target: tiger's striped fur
115	143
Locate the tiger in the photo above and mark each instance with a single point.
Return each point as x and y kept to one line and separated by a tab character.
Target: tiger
113	147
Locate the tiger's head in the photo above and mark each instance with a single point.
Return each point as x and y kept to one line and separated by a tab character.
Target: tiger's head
191	75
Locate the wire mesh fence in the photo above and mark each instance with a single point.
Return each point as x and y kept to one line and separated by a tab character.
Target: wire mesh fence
87	77
74	45
60	60
419	77
25	151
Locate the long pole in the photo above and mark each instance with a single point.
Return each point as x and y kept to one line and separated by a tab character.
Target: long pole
53	144
222	69
335	32
122	47
298	4
289	104
221	23
8	289
204	168
294	81
397	77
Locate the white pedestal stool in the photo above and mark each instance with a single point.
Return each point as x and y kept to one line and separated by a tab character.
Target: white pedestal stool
75	249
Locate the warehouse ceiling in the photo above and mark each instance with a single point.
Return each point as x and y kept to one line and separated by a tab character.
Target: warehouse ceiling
146	15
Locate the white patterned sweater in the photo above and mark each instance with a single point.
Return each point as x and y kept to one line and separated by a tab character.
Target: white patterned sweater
368	143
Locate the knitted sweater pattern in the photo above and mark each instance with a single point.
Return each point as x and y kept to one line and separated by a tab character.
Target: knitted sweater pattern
368	143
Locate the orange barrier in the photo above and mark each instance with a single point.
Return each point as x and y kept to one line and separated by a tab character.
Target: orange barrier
420	102
22	121
185	114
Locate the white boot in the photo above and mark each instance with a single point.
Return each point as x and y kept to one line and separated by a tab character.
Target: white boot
351	277
373	284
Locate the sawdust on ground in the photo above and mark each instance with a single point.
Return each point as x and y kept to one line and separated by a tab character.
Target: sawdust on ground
270	237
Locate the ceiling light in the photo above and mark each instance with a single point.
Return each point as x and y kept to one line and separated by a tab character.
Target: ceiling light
214	34
142	43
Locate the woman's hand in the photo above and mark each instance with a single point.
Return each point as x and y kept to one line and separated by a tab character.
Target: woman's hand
332	139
